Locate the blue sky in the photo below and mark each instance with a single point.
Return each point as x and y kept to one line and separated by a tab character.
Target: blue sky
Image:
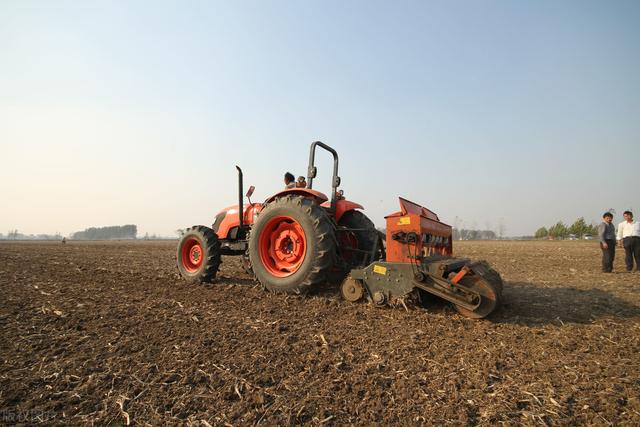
489	111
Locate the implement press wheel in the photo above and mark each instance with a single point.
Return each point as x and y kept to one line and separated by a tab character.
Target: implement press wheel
352	289
489	294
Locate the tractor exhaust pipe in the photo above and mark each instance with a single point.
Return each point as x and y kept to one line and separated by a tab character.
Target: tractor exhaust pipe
240	202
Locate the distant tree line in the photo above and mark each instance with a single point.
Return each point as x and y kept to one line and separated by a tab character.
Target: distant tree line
154	236
560	231
16	235
128	231
464	234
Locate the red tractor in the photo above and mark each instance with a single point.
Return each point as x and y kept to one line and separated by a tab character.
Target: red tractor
299	238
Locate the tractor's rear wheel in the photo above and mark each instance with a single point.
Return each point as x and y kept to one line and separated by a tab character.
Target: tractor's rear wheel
292	245
364	237
198	254
356	232
489	297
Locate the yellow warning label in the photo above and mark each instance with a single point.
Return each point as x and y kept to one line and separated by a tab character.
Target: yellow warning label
404	220
379	269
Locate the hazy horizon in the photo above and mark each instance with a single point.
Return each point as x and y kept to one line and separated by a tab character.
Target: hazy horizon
123	113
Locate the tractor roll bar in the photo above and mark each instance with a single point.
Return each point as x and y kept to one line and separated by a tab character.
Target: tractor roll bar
312	171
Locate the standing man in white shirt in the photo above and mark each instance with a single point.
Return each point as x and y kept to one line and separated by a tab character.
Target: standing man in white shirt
629	238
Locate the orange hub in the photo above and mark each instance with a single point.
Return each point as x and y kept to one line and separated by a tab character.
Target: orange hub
282	246
192	255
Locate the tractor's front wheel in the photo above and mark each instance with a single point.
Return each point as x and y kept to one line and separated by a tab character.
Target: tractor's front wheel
292	245
198	254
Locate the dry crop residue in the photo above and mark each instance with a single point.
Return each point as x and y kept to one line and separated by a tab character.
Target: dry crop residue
108	333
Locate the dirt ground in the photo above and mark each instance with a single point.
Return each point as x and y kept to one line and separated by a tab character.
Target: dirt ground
107	333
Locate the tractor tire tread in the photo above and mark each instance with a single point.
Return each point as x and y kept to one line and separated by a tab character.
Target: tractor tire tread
325	247
213	259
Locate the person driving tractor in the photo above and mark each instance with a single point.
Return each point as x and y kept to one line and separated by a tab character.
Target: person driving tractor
289	180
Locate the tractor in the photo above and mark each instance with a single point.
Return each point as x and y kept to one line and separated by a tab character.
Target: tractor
299	238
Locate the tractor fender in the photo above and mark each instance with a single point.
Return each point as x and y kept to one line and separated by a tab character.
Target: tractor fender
342	207
304	192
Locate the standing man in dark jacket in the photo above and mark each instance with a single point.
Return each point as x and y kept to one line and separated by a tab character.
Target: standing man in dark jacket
607	235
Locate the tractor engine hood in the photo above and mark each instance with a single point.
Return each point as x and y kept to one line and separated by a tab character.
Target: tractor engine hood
227	219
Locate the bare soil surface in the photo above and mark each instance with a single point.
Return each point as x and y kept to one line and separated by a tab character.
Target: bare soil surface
107	333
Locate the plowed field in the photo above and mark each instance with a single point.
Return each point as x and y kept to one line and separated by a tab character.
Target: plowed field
108	333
